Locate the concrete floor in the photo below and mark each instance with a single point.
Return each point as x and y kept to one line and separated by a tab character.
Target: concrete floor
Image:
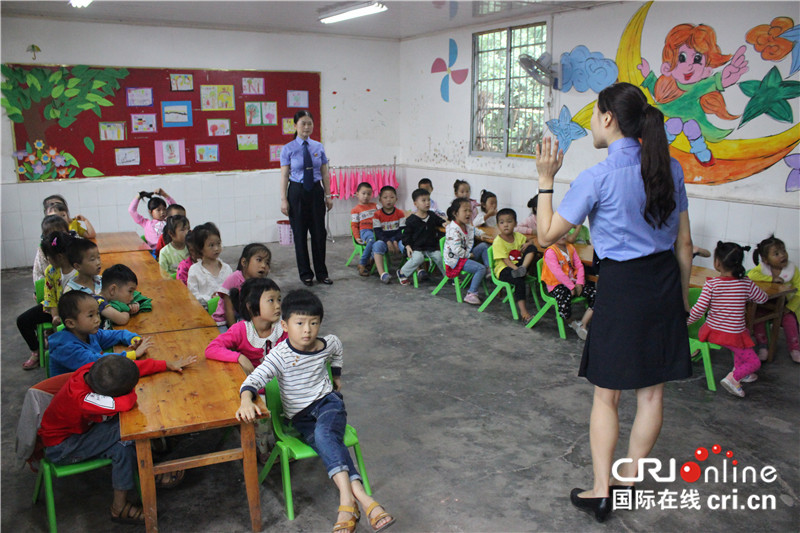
468	422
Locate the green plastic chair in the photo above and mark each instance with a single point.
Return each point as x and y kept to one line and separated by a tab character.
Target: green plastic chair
696	344
500	285
289	446
41	329
212	305
462	280
48	471
549	302
358	250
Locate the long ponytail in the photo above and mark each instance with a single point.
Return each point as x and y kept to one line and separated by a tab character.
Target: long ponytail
639	120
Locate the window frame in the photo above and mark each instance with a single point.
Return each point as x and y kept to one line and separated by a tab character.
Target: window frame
546	103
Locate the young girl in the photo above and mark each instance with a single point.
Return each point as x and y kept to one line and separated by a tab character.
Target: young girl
487	216
463	190
247	341
207	275
254	263
563	274
725	297
158	213
459	241
84	257
50	224
182	271
528	226
55	208
175	249
56	276
512	258
775	266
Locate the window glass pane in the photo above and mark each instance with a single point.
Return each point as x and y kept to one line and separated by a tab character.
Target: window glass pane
489	93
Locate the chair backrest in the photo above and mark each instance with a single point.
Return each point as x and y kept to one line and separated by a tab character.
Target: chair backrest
212	305
542	292
273	394
441	246
39	287
694	328
491	265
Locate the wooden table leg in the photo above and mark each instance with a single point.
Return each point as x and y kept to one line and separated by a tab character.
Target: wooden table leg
250	465
147	482
780	302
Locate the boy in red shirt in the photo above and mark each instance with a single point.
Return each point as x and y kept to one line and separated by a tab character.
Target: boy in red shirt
388	225
81	423
361	224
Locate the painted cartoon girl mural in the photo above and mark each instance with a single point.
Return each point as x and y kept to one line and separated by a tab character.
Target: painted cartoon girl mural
688	88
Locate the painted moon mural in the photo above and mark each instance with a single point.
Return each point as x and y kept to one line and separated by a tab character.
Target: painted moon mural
735	158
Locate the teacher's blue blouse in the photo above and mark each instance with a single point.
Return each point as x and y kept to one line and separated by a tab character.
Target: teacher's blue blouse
611	194
292	156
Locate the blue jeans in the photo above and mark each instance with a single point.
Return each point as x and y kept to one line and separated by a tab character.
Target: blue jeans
381	248
418	258
102	440
481	252
478	270
322	425
368	236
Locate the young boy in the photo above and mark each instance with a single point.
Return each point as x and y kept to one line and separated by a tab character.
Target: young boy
312	403
173	209
512	257
427	184
82	341
421	238
388	225
361	225
84	257
119	283
81	423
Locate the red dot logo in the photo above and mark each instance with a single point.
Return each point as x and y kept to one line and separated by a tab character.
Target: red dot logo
701	454
716	448
735	462
690	472
729	454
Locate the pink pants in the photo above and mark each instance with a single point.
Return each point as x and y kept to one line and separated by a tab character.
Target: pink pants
745	361
789	323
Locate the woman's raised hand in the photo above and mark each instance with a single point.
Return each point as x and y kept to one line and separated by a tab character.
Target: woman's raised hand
548	161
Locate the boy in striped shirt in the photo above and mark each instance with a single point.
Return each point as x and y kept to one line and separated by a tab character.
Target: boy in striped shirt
313	402
361	225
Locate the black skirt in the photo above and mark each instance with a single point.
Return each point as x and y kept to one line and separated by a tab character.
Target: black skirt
638	335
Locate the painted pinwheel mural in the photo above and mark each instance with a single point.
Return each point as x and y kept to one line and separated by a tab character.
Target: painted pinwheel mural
458	75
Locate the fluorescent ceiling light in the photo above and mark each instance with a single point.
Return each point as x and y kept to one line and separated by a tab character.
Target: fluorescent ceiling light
350	12
79	3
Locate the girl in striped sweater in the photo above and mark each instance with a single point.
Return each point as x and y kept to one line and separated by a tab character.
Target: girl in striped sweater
725	298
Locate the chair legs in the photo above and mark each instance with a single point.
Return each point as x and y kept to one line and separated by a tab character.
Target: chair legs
705	355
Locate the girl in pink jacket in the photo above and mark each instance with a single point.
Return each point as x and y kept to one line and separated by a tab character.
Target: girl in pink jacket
153	227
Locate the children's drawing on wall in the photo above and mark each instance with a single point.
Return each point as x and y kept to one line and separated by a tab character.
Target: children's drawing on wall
252	85
252	113
565	129
143	123
170	153
112	131
140	97
287	126
458	75
583	70
297	99
125	157
275	152
688	86
176	114
181	82
247	141
206	153
218	127
269	113
216	97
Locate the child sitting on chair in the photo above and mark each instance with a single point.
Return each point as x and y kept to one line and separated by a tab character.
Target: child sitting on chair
314	404
361	225
82	341
512	257
563	274
421	238
81	423
84	257
172	210
388	225
119	283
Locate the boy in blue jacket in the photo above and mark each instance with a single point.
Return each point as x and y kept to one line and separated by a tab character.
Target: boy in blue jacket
82	341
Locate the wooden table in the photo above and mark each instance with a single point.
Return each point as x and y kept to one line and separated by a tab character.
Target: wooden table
174	307
204	397
120	241
774	307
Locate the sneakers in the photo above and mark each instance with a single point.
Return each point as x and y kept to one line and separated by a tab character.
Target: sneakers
749	378
795	355
579	329
732	386
763	354
520	272
472	298
363	270
422	274
32	362
401	278
386	278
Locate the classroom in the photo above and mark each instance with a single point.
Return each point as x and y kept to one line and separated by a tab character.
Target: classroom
469	417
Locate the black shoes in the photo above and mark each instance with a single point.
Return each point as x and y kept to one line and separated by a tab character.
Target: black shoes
327	281
600	507
307	282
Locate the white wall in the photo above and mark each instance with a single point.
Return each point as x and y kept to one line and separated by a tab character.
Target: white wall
435	134
245	205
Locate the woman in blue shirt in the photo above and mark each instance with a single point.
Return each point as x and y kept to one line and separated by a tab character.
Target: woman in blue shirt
305	197
636	203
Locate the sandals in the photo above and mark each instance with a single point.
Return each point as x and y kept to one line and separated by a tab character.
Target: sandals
129	514
380	516
170	480
32	362
350	525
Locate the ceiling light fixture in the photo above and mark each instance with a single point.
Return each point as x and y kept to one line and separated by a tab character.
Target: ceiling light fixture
79	3
351	11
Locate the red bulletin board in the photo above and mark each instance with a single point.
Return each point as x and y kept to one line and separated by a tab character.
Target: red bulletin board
59	142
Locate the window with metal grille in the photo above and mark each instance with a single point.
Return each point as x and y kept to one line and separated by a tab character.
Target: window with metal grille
507	104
